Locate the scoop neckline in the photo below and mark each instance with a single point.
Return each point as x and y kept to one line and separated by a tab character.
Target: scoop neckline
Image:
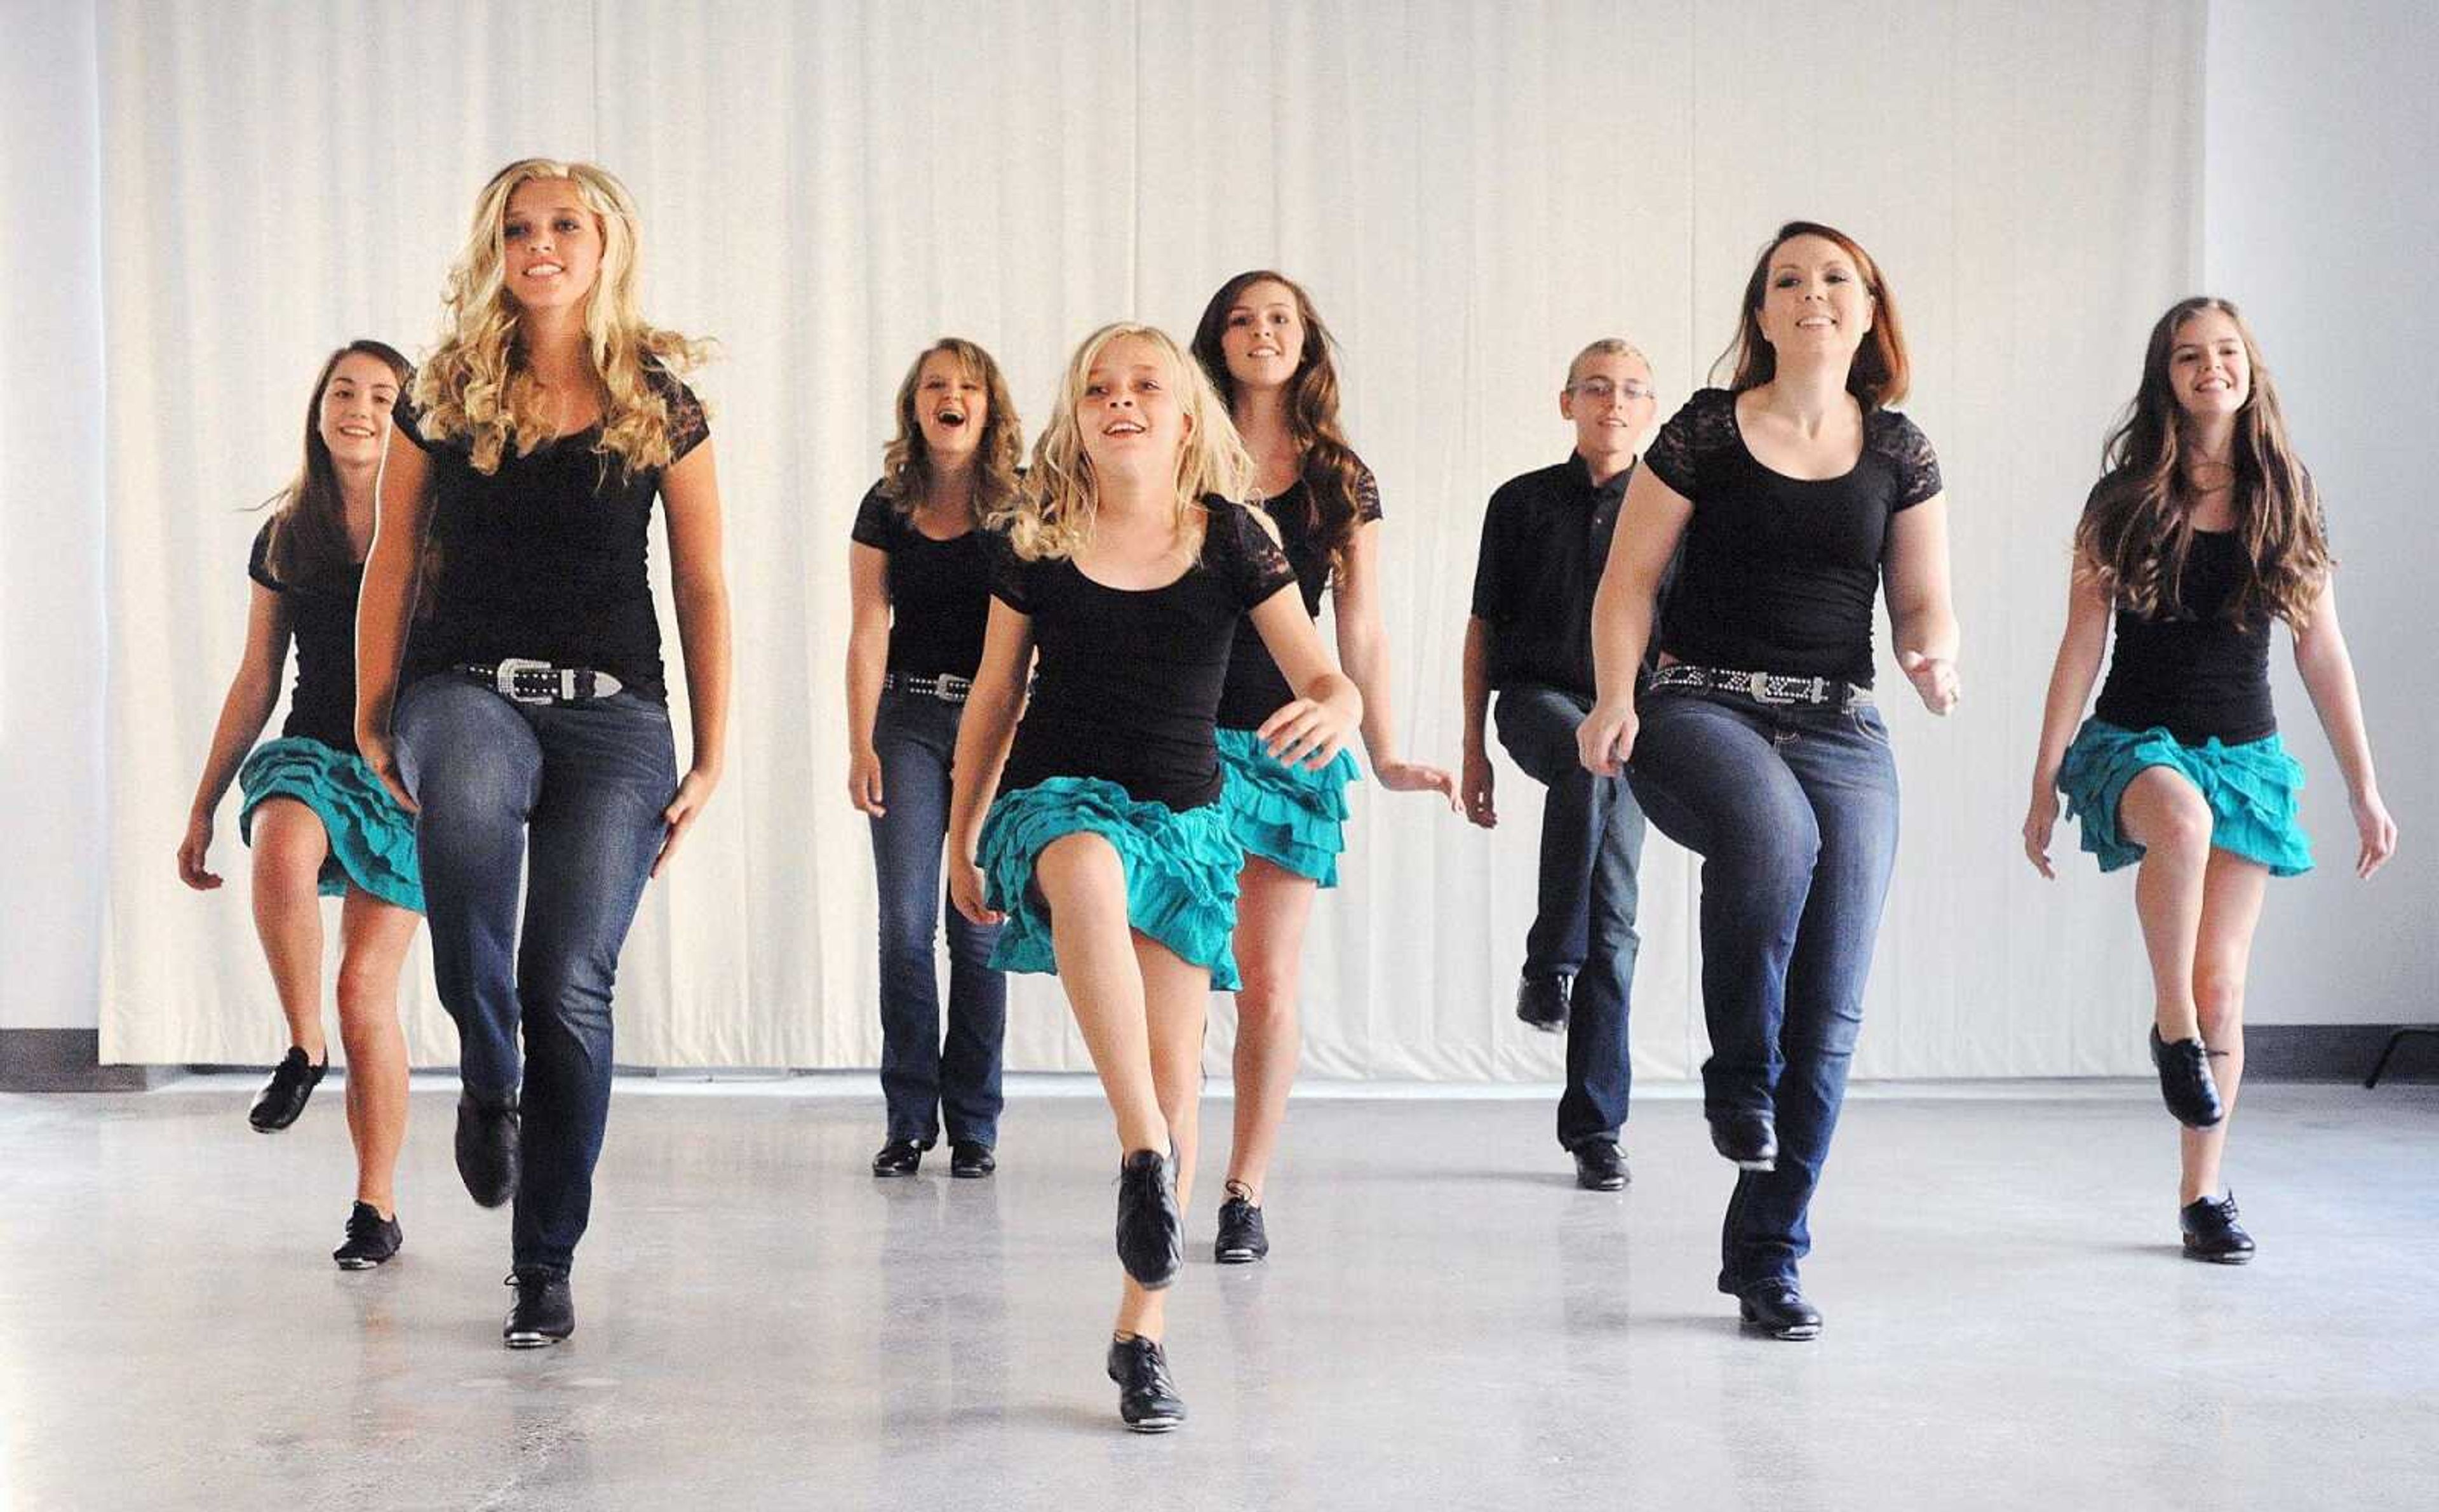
1736	423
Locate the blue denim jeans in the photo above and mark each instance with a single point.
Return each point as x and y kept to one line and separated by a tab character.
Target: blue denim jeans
920	1079
568	798
1793	810
1591	840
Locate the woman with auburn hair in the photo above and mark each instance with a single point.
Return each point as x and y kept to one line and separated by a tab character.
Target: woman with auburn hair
921	574
1102	845
529	718
1270	358
1797	494
319	821
2202	529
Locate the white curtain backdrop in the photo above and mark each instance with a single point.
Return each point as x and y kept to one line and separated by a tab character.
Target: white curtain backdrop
1471	193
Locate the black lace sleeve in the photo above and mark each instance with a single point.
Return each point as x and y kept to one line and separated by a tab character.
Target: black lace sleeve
409	419
1244	552
1011	576
1909	455
876	522
258	561
689	426
1367	497
1705	423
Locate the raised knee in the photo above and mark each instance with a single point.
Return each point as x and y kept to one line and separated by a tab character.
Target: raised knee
1080	866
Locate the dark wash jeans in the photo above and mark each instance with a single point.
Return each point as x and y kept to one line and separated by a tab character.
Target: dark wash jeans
920	1079
570	797
1793	810
1591	840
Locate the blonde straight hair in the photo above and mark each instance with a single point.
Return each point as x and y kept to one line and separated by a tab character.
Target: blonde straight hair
476	385
1053	513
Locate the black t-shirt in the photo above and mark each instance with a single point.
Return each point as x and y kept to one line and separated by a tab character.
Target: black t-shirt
940	590
2192	670
1255	687
1779	574
546	558
1128	682
322	616
1545	539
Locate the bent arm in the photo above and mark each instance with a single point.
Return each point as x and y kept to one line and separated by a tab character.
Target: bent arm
252	693
2328	672
1651	522
2071	674
988	725
386	603
1922	610
1363	645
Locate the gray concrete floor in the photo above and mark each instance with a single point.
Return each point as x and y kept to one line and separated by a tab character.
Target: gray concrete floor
1445	1322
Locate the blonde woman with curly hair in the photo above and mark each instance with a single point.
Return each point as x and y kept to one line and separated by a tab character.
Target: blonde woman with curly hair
1105	853
527	719
920	576
2202	531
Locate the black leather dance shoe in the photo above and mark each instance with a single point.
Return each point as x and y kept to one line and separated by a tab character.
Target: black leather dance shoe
371	1240
970	1161
1777	1309
487	1149
1542	1001
2185	1082
1750	1139
1151	1233
1242	1240
1147	1400
2212	1233
1600	1166
285	1094
899	1157
543	1311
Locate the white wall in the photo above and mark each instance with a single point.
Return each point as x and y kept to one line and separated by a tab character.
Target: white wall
2321	222
52	631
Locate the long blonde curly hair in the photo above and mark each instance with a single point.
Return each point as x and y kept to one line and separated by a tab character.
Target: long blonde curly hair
1053	513
477	384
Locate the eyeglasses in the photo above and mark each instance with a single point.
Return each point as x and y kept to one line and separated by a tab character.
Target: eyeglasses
1600	389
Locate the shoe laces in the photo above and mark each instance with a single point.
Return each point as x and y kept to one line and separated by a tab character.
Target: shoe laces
364	1222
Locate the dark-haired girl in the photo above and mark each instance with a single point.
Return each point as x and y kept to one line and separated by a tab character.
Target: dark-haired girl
921	574
319	821
2204	528
1798	496
1267	353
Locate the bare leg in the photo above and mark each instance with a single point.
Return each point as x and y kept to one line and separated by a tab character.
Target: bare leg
2231	898
1177	997
373	940
1085	884
289	849
2166	815
1272	912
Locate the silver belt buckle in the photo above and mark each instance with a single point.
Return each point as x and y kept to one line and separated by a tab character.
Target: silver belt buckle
950	688
1758	685
505	680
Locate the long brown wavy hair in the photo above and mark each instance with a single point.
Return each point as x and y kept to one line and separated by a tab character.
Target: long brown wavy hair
1332	473
1880	372
477	384
906	464
308	535
2137	528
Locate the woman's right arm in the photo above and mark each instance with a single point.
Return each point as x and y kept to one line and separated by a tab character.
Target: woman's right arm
2071	679
387	603
867	661
1650	523
983	732
251	694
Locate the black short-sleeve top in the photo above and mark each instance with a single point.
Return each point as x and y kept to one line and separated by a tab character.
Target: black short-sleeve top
940	590
1126	682
1255	687
2191	669
547	558
1779	574
321	614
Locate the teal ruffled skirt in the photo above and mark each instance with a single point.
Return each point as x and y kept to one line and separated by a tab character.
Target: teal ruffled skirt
1181	871
2252	790
372	839
1291	816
